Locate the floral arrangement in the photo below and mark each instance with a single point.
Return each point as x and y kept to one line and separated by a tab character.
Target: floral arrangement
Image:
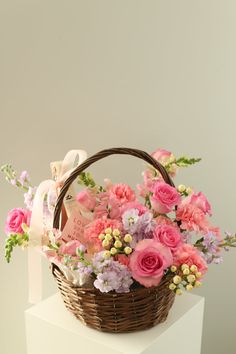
131	238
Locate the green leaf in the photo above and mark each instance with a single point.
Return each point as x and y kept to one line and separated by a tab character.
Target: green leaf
185	161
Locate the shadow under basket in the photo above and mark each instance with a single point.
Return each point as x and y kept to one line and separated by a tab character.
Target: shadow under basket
140	309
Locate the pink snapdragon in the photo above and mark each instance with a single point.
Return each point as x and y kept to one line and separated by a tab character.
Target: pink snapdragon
86	200
148	262
200	201
164	197
69	248
15	218
134	205
108	206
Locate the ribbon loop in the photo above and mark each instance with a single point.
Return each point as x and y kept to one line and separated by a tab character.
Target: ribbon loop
37	224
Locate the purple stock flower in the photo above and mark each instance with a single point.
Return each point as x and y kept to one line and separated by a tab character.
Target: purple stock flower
106	282
111	275
139	227
211	248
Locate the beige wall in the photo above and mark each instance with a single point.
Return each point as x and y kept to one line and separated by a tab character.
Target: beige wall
94	74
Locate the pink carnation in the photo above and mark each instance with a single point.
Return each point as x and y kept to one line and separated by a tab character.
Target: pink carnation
192	218
148	262
188	254
98	226
86	200
15	218
123	193
164	197
168	236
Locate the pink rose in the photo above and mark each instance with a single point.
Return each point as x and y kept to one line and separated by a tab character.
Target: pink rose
168	236
15	218
86	199
69	248
201	202
188	254
192	218
123	193
148	262
164	197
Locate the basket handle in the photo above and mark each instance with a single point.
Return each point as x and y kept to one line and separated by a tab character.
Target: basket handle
98	156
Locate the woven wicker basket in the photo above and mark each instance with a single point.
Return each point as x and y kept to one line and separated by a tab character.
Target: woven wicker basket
141	308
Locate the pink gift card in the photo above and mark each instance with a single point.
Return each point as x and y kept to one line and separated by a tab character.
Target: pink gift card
74	228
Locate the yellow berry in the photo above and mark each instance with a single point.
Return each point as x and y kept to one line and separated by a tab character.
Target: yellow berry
108	237
189	190
116	232
177	279
113	251
184	266
172	286
105	243
127	250
191	278
189	287
198	275
128	238
118	244
108	230
193	268
173	268
101	237
107	254
186	271
178	292
197	284
181	188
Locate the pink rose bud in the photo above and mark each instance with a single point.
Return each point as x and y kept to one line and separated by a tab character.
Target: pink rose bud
162	155
164	197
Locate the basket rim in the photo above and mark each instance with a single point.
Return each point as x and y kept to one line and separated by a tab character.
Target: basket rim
140	288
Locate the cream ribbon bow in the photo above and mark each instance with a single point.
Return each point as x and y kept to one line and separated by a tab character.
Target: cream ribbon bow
72	159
